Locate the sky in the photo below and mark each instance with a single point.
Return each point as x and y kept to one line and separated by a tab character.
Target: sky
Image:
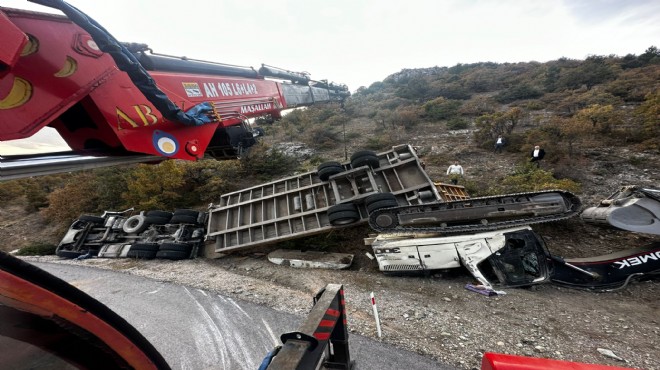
359	42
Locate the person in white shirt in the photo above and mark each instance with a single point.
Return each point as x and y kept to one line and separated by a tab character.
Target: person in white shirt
499	144
537	155
455	171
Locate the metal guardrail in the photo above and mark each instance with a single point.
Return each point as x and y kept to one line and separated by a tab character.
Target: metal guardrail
16	167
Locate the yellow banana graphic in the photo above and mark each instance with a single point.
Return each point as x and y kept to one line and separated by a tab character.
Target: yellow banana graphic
31	47
20	93
70	66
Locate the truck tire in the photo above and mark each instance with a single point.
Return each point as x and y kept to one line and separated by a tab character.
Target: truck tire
365	158
172	255
380	200
145	247
157	213
156	220
328	169
186	212
135	224
343	214
377	197
183	219
92	219
141	254
176	247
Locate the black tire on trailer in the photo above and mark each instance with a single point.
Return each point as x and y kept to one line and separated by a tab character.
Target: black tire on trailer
343	214
147	247
183	219
176	247
326	172
172	255
141	254
186	212
158	213
343	207
343	218
92	219
157	220
135	224
378	197
365	157
328	164
382	204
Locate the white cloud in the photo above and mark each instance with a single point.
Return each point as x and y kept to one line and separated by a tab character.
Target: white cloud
360	42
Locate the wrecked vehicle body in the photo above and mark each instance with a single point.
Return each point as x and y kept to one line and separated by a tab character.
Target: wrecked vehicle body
631	208
512	258
171	235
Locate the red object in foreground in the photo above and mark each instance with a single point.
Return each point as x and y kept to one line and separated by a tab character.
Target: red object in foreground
44	321
102	97
498	361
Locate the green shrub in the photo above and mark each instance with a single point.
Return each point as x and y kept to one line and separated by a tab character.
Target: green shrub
457	123
380	142
267	164
37	249
528	177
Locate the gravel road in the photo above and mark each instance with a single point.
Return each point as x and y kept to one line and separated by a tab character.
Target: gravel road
435	316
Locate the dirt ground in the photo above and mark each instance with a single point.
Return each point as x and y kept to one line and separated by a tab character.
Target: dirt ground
434	315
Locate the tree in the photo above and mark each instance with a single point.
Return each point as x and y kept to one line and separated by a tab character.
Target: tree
594	70
416	88
267	163
648	114
518	92
491	126
79	195
155	186
650	56
441	108
572	131
601	117
406	117
208	179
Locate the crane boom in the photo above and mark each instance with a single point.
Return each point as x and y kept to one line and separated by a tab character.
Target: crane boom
113	99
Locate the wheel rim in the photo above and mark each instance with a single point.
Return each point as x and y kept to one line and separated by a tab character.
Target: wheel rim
385	220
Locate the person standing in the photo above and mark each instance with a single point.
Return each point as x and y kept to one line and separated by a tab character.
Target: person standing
537	155
499	144
455	171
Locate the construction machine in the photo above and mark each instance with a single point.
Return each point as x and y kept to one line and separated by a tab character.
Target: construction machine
120	100
517	256
631	208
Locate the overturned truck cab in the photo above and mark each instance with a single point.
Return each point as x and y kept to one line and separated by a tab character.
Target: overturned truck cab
512	258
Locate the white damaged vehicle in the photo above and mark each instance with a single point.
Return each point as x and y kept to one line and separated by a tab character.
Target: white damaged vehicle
511	258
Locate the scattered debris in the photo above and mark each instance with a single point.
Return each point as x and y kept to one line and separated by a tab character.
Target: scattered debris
311	259
480	289
609	353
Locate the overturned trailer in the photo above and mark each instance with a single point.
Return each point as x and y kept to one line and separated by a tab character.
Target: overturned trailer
336	195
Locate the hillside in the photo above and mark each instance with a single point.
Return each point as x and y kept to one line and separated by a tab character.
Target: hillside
598	121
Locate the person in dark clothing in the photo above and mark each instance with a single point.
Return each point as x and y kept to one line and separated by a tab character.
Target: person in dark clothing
499	144
537	155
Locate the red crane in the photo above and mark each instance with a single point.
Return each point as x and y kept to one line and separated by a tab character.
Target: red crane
110	98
